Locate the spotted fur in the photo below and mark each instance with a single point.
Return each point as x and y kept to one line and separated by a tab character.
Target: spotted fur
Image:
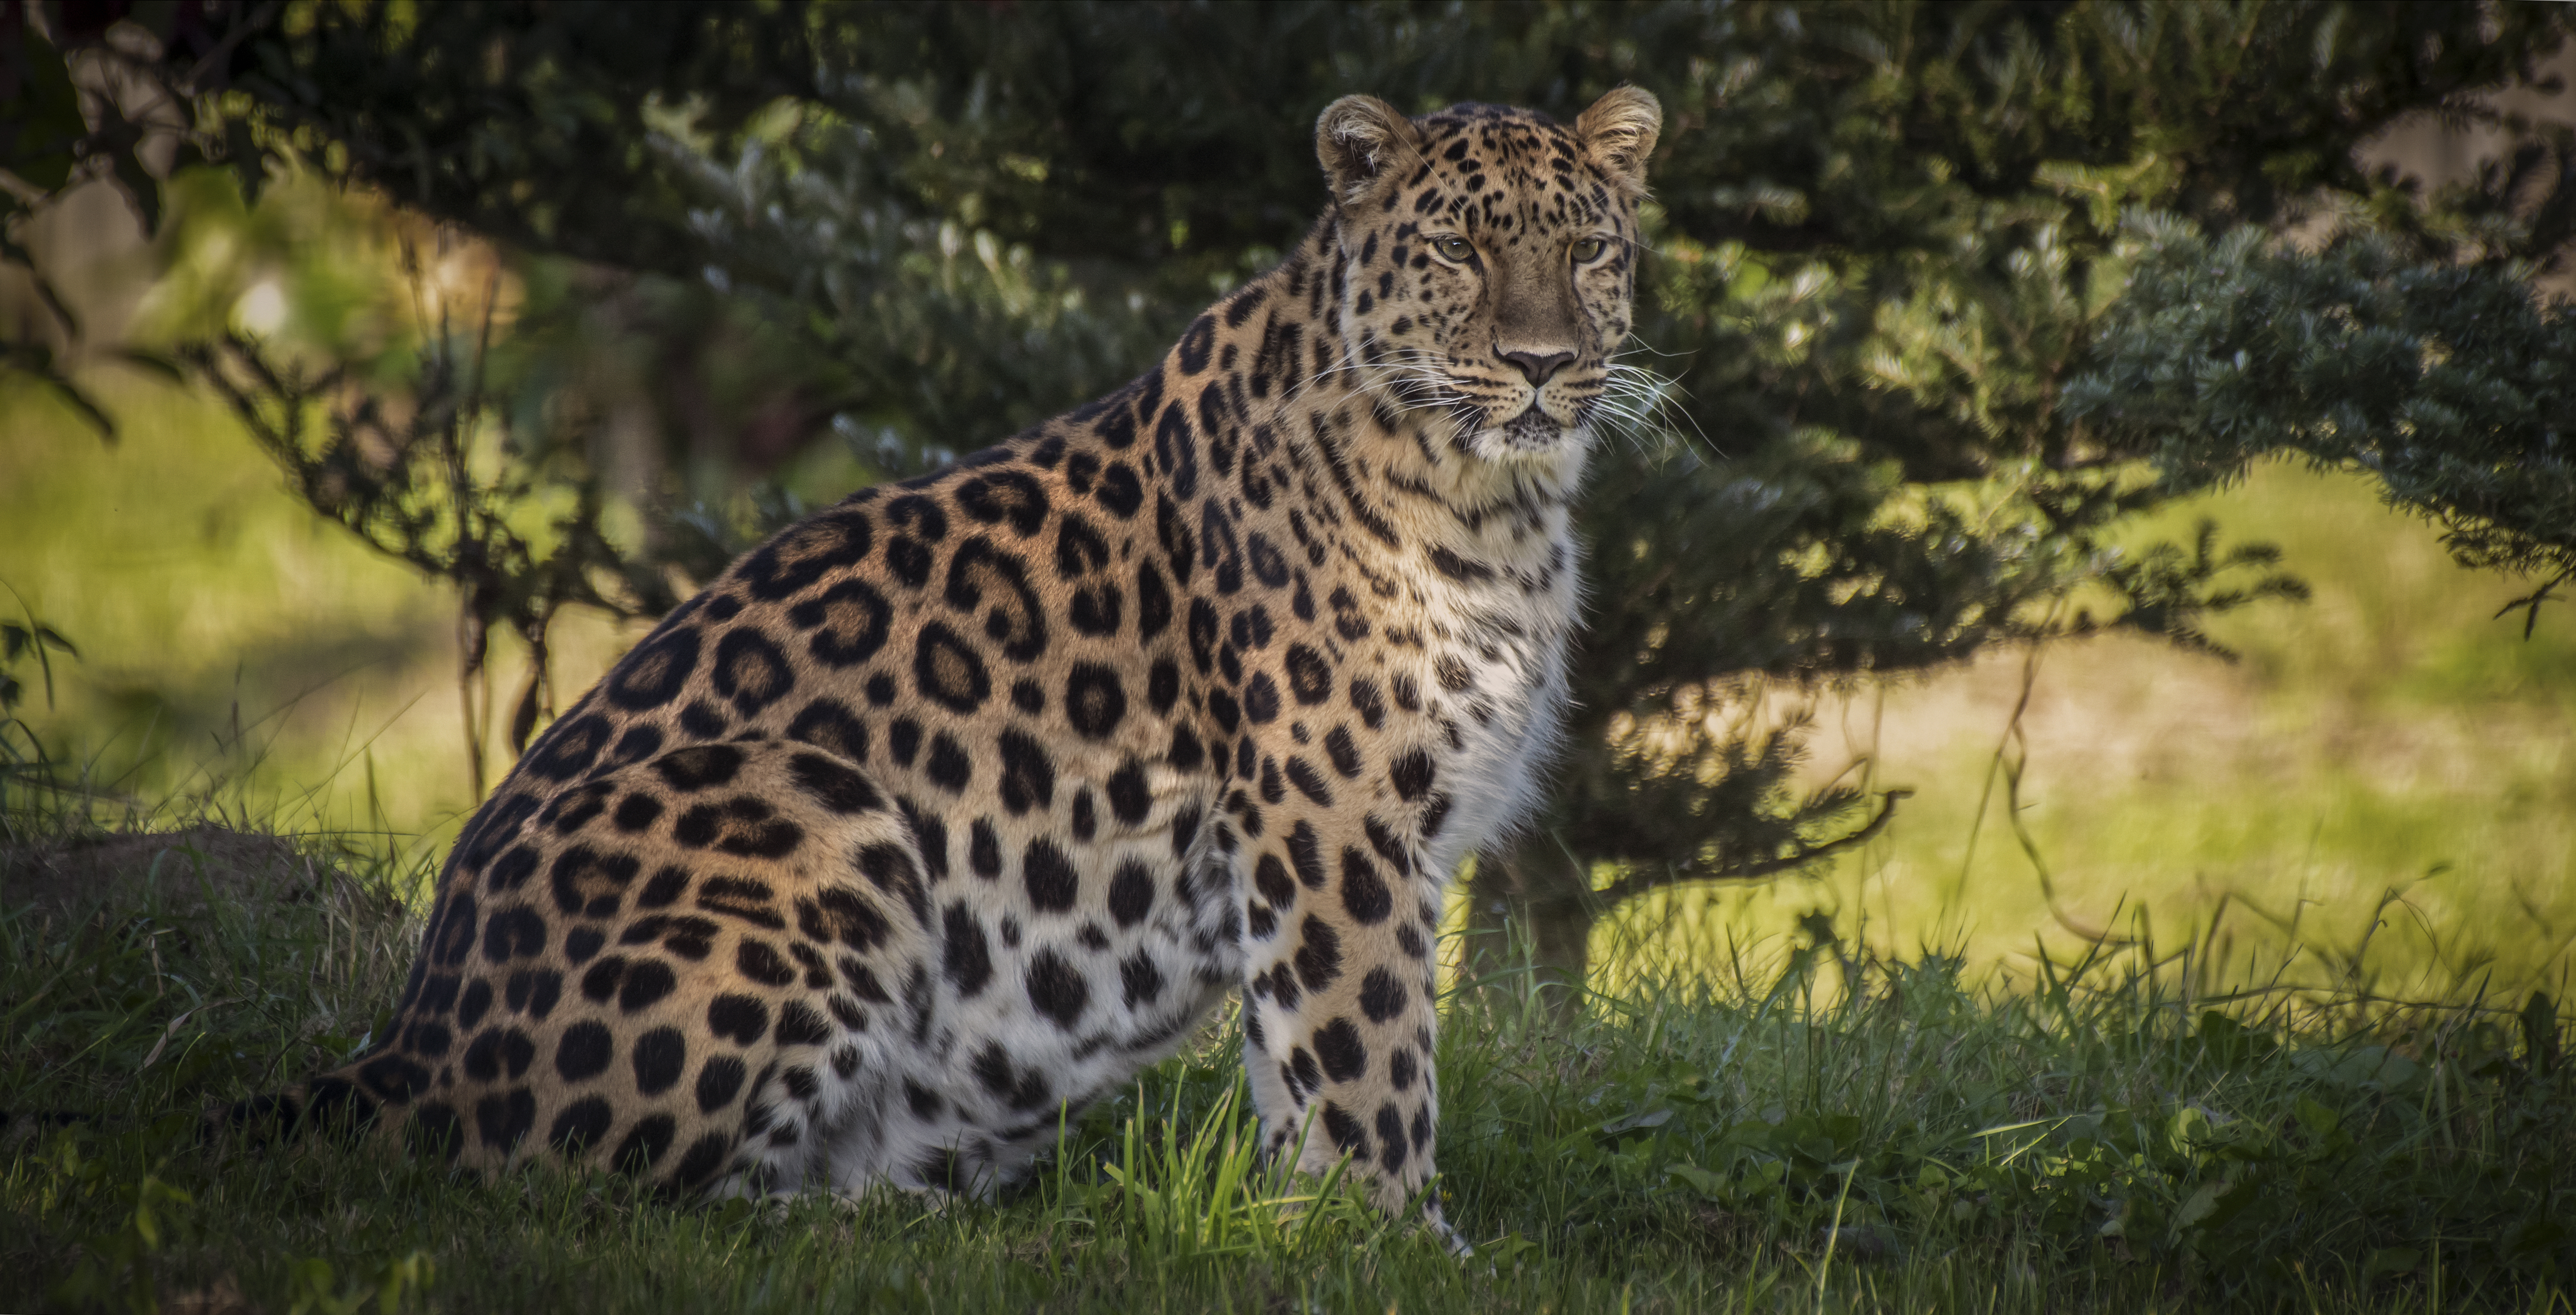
964	800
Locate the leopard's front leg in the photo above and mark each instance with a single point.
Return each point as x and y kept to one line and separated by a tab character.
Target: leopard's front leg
1339	922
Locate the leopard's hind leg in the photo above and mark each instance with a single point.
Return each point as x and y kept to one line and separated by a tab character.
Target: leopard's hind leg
699	969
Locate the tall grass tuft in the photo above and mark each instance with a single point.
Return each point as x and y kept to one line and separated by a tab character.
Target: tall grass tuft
1182	1186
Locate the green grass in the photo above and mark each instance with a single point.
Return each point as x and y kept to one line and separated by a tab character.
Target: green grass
2378	796
1756	1138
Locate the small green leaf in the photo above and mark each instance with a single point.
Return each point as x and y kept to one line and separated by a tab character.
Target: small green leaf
1634	1123
2317	1119
2118	1224
1698	1179
2214	1203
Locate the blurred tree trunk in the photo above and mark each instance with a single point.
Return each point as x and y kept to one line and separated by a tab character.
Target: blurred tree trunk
1530	910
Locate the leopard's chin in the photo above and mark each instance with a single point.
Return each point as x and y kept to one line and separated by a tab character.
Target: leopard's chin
1532	434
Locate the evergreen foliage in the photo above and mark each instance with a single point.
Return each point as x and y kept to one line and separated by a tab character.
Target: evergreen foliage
1889	242
2448	381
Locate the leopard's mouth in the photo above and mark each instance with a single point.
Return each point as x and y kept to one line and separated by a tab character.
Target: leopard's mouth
1533	428
1531	433
1483	428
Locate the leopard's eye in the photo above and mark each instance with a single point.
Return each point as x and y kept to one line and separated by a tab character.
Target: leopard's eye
1454	248
1589	250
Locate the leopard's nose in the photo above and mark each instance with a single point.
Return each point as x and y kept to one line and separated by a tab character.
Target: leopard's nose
1538	366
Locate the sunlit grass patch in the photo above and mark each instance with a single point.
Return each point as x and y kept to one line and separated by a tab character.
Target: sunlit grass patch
236	650
2384	781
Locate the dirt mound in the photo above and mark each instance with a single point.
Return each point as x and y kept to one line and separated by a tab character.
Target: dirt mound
183	871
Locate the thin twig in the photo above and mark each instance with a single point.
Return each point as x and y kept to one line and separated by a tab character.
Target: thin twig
1638	883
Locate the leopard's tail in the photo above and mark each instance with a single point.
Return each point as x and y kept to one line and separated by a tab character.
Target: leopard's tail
361	1099
329	1105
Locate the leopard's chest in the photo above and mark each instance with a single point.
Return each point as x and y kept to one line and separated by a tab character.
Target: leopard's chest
1492	674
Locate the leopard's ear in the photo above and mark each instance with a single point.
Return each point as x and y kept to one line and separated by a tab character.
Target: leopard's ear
1360	140
1619	132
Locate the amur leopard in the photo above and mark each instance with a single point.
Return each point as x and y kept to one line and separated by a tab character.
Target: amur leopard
966	799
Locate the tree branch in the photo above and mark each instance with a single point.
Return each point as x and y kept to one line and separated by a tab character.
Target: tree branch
1638	883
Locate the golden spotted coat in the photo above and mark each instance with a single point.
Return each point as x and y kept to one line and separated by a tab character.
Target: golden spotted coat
969	797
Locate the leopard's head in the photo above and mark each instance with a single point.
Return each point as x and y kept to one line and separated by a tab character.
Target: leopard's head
1490	258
